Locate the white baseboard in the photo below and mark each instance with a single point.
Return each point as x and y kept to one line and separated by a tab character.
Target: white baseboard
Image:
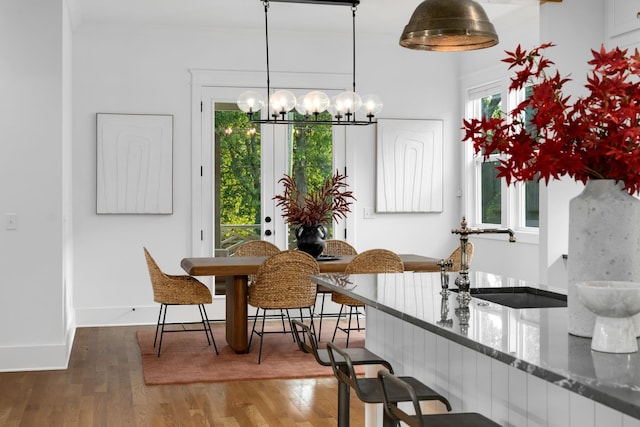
145	315
37	357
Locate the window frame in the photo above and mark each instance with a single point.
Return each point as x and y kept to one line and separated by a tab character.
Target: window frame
513	197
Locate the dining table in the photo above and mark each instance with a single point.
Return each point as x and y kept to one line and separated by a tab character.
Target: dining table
238	268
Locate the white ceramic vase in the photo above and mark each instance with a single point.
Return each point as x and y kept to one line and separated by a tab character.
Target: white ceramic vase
604	244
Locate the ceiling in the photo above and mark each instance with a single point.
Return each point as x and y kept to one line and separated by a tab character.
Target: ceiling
372	15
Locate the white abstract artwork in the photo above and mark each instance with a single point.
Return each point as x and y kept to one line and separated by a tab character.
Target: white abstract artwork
409	171
134	164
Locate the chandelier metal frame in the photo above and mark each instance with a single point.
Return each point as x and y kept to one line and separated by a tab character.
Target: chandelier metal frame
348	118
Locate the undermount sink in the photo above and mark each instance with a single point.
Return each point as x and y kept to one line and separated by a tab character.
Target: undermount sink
519	297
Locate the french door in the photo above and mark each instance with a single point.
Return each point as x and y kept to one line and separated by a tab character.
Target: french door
275	145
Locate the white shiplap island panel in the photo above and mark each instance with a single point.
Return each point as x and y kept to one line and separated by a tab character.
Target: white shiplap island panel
519	367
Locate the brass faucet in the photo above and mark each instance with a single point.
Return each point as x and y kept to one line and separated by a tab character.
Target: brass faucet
462	281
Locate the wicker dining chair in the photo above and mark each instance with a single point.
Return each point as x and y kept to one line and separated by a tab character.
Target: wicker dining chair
256	248
371	261
337	248
259	248
283	281
178	290
456	257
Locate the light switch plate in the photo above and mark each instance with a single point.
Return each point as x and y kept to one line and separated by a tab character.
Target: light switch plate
11	221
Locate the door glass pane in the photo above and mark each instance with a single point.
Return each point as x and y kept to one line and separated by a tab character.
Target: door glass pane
491	193
311	159
237	179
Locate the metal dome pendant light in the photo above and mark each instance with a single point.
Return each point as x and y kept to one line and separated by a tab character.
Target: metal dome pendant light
342	107
449	25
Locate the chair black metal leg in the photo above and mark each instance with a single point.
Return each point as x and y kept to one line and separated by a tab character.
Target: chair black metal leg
282	315
264	318
155	339
207	327
337	323
204	325
348	330
286	311
321	316
164	318
253	329
312	324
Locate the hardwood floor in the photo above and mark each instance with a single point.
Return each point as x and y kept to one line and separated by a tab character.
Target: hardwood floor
103	386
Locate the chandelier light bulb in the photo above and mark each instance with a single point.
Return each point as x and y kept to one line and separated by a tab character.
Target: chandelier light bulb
372	105
250	101
332	107
348	103
281	102
314	102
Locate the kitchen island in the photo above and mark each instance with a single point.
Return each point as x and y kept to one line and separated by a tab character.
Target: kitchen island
520	367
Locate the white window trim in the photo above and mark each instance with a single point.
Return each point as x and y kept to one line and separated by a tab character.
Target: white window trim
513	196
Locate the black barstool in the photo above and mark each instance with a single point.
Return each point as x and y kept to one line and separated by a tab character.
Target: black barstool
368	390
308	343
390	384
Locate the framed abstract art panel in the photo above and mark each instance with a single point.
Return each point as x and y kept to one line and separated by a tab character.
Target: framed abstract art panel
134	163
409	166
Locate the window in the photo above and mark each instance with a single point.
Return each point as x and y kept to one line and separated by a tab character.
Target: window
490	201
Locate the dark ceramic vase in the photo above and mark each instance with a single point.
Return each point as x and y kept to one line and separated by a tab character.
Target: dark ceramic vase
311	239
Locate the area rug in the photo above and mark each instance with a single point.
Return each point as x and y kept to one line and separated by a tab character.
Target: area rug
186	358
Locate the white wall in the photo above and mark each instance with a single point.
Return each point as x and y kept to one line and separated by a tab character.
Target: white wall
519	259
418	85
127	71
35	327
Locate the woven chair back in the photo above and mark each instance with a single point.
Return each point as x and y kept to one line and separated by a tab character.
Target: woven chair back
284	281
456	257
338	247
375	261
256	248
371	261
168	289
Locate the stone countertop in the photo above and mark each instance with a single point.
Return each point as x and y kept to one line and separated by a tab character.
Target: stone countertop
533	340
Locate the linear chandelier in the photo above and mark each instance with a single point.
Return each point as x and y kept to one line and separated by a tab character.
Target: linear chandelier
343	107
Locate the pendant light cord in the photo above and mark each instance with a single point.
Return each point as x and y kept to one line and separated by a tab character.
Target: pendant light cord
353	15
266	37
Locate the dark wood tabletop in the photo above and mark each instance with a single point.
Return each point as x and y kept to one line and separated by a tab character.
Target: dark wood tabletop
234	266
238	268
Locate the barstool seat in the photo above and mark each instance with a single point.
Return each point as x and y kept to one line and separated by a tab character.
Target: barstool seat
391	384
368	390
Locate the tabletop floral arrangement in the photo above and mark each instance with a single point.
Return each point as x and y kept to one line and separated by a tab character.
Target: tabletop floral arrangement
547	136
331	201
